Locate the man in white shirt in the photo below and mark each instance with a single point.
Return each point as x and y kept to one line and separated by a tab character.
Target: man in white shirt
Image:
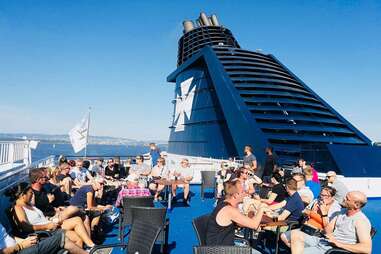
185	173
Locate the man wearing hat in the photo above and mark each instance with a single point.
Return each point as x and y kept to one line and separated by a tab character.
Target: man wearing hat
341	189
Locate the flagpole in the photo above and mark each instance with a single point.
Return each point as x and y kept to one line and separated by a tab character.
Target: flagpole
88	130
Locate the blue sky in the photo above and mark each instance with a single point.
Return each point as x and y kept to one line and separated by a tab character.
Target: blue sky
59	57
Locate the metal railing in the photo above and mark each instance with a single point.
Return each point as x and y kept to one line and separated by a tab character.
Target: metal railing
14	151
12	177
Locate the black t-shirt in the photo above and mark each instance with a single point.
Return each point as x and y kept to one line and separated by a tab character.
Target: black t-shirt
269	165
59	196
281	192
114	173
42	202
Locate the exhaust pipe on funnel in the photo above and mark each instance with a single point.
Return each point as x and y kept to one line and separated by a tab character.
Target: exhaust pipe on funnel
188	26
204	19
215	20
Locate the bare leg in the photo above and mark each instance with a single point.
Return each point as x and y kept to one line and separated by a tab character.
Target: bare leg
285	240
77	225
72	248
174	187
186	191
68	212
74	238
297	242
95	222
86	222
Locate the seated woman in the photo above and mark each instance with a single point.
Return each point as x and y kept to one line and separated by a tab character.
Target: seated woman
222	176
32	219
247	181
85	198
319	214
158	172
31	245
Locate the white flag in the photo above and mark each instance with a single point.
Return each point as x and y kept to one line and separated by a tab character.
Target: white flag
78	135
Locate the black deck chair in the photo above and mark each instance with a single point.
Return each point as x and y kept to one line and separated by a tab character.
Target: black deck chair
200	225
222	249
16	228
373	232
208	180
155	216
141	240
125	218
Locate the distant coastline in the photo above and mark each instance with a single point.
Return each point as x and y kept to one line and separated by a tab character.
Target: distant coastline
64	139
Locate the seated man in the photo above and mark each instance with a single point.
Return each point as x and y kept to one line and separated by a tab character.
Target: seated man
226	216
222	176
64	178
140	168
31	245
305	193
292	206
131	190
78	173
43	200
159	171
350	230
278	192
112	170
184	173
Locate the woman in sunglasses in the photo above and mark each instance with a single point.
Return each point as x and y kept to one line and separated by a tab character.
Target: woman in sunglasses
318	214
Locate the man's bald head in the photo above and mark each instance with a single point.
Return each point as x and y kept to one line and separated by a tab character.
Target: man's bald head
359	197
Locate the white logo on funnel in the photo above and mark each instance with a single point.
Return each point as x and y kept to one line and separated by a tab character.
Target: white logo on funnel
184	103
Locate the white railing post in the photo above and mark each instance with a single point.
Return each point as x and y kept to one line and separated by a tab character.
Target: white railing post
11	150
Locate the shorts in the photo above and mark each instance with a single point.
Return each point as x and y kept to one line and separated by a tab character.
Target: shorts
48	245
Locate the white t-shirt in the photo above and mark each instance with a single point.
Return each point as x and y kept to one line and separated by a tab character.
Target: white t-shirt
160	171
185	172
5	239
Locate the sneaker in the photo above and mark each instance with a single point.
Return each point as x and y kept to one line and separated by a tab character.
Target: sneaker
239	233
186	202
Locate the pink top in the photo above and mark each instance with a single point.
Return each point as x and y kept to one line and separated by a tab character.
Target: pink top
135	192
315	177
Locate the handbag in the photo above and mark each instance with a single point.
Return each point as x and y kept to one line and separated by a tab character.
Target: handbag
310	230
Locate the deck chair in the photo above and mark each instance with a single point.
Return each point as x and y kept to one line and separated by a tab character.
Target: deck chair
155	216
125	217
222	249
208	180
141	240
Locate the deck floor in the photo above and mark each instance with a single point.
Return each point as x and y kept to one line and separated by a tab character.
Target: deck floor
182	237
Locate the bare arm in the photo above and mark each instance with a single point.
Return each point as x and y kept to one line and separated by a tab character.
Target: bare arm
270	199
90	200
364	244
245	221
284	215
25	225
331	226
278	206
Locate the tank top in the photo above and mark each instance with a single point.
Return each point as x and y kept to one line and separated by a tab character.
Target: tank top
35	216
216	234
345	230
